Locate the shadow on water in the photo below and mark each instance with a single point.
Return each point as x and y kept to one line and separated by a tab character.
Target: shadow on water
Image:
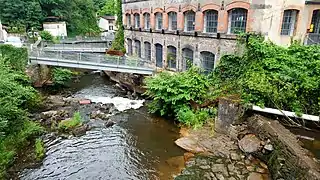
137	147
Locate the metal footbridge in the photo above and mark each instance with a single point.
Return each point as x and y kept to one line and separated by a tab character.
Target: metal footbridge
93	61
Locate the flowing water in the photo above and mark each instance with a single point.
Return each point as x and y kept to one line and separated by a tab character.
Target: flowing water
135	148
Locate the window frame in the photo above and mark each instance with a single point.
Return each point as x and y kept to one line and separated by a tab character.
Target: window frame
137	47
185	55
146	17
173	23
207	61
159	21
213	20
189	21
233	22
172	63
128	16
136	20
147	51
289	22
129	44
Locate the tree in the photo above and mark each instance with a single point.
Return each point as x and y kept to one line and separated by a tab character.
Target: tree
109	8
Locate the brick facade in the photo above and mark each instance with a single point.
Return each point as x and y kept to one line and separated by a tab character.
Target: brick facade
264	17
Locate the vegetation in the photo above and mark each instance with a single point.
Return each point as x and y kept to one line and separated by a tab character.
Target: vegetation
16	98
46	36
265	75
39	149
61	76
109	8
23	15
67	125
118	42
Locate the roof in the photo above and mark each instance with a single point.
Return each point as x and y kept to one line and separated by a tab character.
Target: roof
312	1
108	17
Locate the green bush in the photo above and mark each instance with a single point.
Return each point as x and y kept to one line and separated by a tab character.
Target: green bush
192	118
46	36
274	76
174	93
61	76
67	125
15	58
39	149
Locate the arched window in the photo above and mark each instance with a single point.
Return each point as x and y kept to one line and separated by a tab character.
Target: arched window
146	17
147	51
210	21
158	21
172	57
172	21
129	41
315	22
289	22
137	47
136	20
189	21
187	56
159	56
128	17
207	61
237	21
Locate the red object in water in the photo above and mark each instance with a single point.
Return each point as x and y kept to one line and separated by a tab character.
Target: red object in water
86	101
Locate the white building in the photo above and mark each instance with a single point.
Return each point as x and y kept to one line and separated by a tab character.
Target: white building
107	23
3	34
56	28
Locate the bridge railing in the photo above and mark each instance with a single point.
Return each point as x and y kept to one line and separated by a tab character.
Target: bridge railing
51	46
87	39
92	58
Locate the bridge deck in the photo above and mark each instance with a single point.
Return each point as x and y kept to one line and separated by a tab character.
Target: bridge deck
91	61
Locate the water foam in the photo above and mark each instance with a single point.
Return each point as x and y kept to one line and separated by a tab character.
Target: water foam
120	103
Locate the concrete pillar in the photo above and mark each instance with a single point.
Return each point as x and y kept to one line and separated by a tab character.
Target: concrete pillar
229	112
199	21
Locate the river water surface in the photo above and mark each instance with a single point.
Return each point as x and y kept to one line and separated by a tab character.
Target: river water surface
135	148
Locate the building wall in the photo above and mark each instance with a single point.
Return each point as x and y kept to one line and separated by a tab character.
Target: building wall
56	28
263	16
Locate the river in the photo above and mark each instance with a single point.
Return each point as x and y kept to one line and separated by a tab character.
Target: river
136	148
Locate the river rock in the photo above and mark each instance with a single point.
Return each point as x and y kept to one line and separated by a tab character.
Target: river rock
268	147
48	114
79	131
234	156
249	143
189	144
55	101
110	123
255	176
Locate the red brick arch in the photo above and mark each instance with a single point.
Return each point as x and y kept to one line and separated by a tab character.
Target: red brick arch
136	11
188	8
210	6
238	4
172	9
156	10
145	10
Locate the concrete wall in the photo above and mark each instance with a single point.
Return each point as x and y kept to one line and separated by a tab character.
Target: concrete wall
56	28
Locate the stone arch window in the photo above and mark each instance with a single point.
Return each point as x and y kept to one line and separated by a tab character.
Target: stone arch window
189	21
172	21
146	17
237	20
207	61
158	17
210	21
136	20
137	47
129	42
172	57
187	57
147	51
128	18
315	22
159	55
289	22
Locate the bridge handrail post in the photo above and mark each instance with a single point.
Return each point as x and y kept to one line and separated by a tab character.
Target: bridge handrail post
79	56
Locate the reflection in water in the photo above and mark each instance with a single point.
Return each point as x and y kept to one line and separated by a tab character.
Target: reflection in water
135	148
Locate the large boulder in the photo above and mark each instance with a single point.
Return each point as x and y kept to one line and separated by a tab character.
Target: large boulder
190	144
250	143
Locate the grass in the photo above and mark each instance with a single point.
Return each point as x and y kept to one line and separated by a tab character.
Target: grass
72	123
39	149
13	143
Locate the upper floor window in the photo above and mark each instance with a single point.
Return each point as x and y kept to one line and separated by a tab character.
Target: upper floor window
172	21
211	21
315	23
289	22
146	20
237	21
189	21
158	21
136	20
128	17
